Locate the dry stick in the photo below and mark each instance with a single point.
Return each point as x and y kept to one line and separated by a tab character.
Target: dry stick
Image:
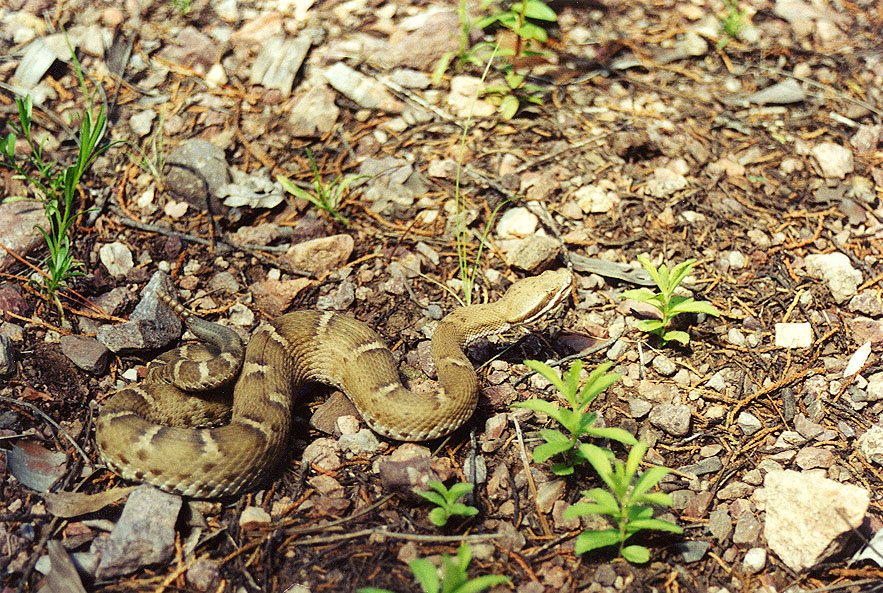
325	539
530	483
52	422
770	389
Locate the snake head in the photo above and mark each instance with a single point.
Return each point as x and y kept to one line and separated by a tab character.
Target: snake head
531	298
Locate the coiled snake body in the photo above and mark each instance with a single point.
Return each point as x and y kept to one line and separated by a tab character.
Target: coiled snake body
145	432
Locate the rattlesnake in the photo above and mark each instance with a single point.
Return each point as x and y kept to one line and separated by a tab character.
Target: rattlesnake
145	432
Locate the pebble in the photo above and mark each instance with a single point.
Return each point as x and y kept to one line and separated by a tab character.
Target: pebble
870	444
866	330
595	199
117	258
362	442
548	493
321	255
196	166
664	182
85	352
253	517
274	297
813	457
407	469
664	365
748	423
719	524
793	335
837	271
323	453
463	98
279	60
144	534
204	575
18	227
747	529
517	223
152	325
314	114
834	160
361	89
867	302
671	418
754	561
424	46
142	122
534	254
7	356
708	465
734	490
638	408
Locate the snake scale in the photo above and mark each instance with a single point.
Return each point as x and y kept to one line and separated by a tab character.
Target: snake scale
151	431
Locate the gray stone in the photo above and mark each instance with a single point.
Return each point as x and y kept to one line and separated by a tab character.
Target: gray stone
867	302
195	172
672	418
314	114
117	258
709	465
734	490
86	352
548	493
145	533
278	62
719	524
18	229
7	356
142	122
422	47
747	529
837	271
365	91
323	454
664	365
534	253
152	325
813	457
748	423
407	469
362	442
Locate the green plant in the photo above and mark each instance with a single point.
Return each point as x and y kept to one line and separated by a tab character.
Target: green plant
326	196
447	502
577	421
627	501
513	93
454	575
56	187
467	52
516	18
668	304
733	23
182	6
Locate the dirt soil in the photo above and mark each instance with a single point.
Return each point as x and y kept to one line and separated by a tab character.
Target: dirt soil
649	137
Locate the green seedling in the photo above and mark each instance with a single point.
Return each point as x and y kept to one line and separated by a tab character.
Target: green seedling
627	501
733	23
325	196
56	187
182	6
516	18
447	502
668	304
467	54
454	576
577	420
513	94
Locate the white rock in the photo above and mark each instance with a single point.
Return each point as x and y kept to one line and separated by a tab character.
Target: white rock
365	91
858	360
593	198
517	223
754	561
834	160
117	258
463	98
175	209
806	514
142	121
748	423
836	269
793	335
664	182
870	444
252	517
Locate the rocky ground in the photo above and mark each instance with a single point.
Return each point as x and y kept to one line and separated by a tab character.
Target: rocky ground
759	153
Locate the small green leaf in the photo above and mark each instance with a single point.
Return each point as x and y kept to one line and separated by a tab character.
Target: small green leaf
529	30
481	583
550	409
679	336
562	469
654	524
636	454
460	490
638	294
592	540
536	10
542	453
463	510
680	305
442	66
426	574
658	498
650	325
649	479
434	498
636	554
509	107
550	374
614	434
438	517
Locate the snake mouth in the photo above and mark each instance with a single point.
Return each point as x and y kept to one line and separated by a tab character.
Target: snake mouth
547	305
